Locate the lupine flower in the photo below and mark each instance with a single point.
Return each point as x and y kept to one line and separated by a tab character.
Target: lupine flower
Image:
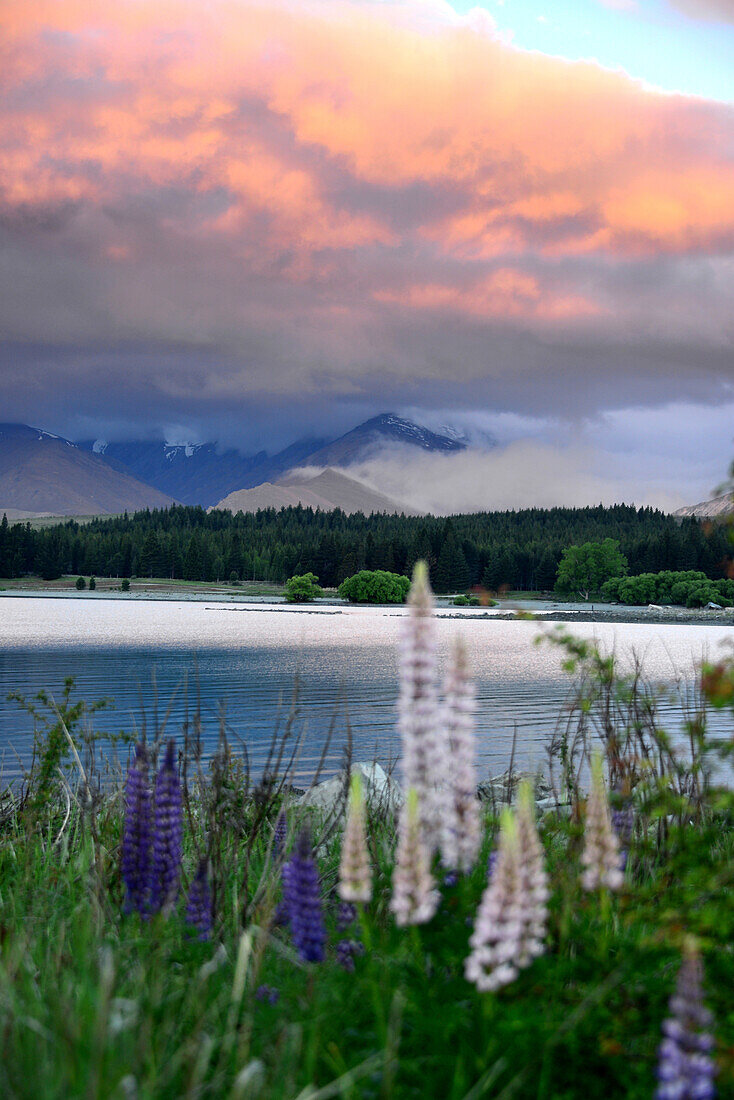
355	872
685	1068
267	993
623	823
137	834
461	834
534	878
511	917
301	895
346	951
418	712
280	833
415	898
199	904
346	915
491	863
601	856
167	833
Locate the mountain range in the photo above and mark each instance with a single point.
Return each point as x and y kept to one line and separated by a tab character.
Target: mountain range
44	474
201	473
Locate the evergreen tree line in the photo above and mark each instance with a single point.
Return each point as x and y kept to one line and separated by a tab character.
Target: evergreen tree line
520	549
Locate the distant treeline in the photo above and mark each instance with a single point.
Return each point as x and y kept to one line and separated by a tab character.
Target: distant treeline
518	549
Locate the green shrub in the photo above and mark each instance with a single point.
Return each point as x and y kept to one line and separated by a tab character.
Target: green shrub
92	584
303	588
125	584
460	601
375	586
81	584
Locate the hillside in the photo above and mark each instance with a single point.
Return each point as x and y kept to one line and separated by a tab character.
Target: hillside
40	472
709	509
327	490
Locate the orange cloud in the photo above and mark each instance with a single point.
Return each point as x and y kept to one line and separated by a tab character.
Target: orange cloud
301	130
505	293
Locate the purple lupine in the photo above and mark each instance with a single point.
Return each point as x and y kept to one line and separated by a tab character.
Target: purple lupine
199	904
346	952
623	823
491	863
280	833
685	1067
136	837
346	915
301	895
167	833
267	993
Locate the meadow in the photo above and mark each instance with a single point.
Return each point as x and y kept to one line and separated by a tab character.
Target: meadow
176	932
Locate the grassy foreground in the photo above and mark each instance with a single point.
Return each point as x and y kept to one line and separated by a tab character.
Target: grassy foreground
96	1002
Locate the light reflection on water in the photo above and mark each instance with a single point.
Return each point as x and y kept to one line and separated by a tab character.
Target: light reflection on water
244	664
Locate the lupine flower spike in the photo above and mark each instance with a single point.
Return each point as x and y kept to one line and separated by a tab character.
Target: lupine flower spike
280	834
415	898
302	901
686	1068
355	872
199	904
137	834
495	941
623	823
418	711
534	878
511	918
167	833
601	856
461	820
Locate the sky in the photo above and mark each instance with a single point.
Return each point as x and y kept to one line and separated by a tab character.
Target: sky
254	220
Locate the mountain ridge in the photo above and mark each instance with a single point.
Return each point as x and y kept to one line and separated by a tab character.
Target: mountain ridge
45	473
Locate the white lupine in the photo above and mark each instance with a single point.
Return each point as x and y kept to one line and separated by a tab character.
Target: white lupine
415	897
419	718
512	915
461	831
355	871
496	939
533	873
601	857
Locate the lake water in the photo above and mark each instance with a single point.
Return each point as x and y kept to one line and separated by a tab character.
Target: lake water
242	662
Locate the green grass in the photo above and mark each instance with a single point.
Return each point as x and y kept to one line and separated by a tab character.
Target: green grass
97	1004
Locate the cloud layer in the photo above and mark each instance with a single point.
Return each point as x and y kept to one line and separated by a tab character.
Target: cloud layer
213	209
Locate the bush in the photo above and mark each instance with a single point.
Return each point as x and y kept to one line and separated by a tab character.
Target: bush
92	584
125	584
303	588
460	601
474	601
375	586
234	578
689	588
81	584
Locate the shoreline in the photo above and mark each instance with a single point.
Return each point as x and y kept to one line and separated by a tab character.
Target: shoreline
532	611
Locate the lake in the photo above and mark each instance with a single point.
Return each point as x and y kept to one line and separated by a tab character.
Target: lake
242	661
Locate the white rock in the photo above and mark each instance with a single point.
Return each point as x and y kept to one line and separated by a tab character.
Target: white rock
381	792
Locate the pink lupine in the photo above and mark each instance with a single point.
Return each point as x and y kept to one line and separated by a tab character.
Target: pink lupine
533	873
601	857
418	711
511	919
355	872
415	898
461	834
